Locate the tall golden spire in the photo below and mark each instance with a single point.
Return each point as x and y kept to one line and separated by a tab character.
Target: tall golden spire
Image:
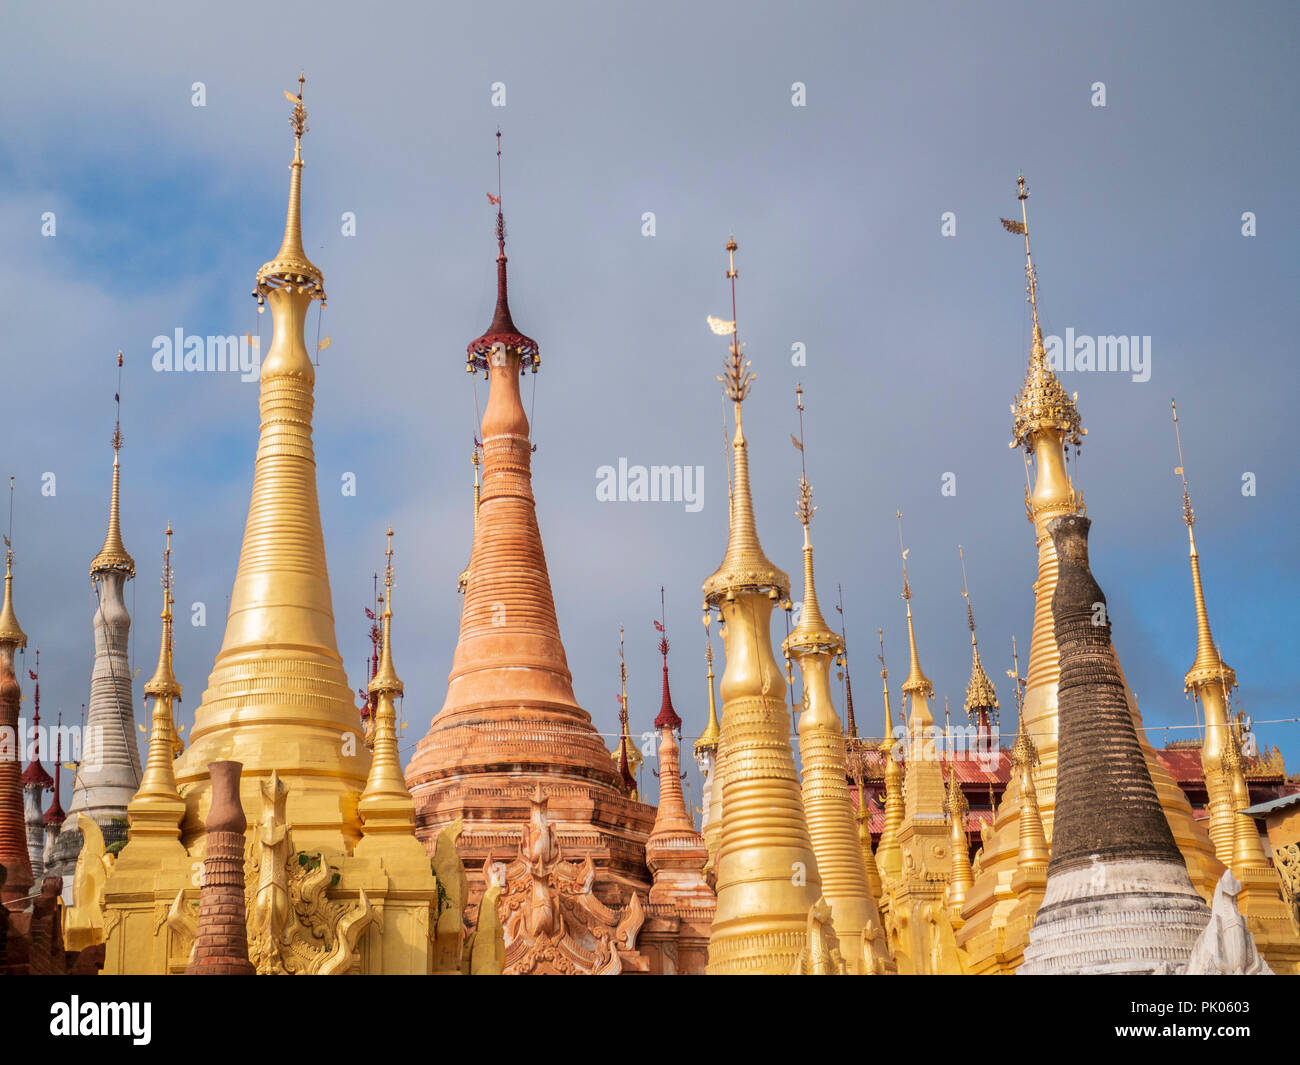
278	698
163	682
827	806
744	566
812	633
156	810
917	682
1209	666
767	878
113	555
889	857
1210	680
1033	849
626	756
708	740
291	267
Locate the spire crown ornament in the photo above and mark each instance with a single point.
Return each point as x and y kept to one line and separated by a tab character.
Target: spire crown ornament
917	682
1209	666
812	635
163	682
980	693
385	679
113	556
667	715
744	566
708	741
502	331
1042	403
291	269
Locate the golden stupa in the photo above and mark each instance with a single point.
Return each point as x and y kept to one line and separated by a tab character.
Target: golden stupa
826	803
329	828
767	880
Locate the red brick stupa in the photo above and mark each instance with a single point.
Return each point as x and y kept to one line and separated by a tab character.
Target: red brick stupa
510	721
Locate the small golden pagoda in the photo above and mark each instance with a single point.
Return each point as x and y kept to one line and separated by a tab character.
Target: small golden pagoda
1046	423
826	803
912	907
1237	842
768	885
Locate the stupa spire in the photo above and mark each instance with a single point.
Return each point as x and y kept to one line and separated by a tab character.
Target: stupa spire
956	806
476	462
917	683
826	803
14	856
708	740
1033	850
502	329
510	682
888	856
277	697
54	816
675	851
109	774
156	809
762	919
36	781
981	697
164	688
386	805
626	755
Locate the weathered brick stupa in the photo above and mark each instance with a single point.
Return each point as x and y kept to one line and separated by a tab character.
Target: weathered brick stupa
1046	424
17	886
1118	896
510	721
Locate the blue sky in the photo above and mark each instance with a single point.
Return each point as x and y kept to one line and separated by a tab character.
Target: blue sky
915	342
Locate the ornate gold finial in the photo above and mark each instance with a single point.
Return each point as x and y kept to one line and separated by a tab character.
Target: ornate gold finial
1023	753
163	682
385	679
980	693
744	566
463	580
1042	403
10	631
291	269
627	756
887	743
812	634
737	379
917	682
113	555
708	740
1209	666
